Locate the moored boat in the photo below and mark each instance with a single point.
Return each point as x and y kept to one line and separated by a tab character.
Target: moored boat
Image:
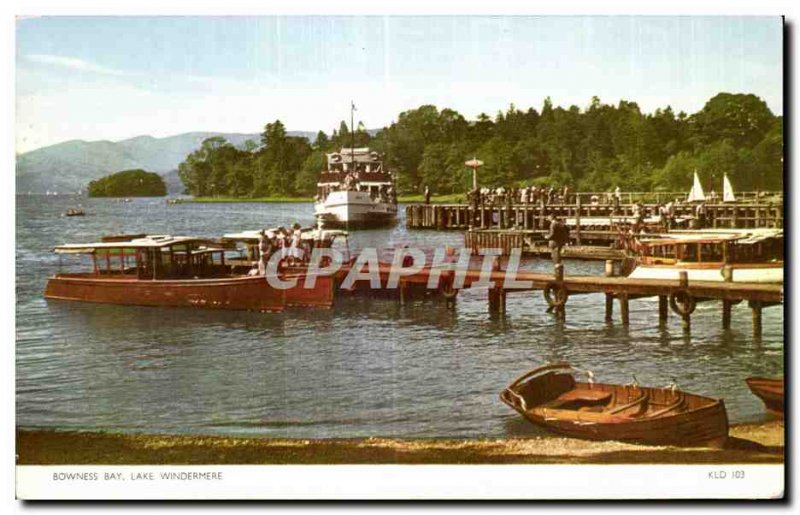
175	271
355	190
75	211
293	262
768	390
752	255
550	397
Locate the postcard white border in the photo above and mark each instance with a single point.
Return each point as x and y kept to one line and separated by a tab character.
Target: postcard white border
482	482
269	479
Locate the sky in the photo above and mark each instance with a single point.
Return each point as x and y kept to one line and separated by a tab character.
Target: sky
112	78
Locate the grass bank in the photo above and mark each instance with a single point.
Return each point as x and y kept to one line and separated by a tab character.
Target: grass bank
749	443
223	200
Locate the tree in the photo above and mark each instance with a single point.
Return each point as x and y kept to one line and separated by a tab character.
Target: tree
129	183
321	142
677	174
768	159
744	120
599	147
306	180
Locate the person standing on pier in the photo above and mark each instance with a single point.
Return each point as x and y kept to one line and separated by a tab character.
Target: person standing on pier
557	236
427	195
700	214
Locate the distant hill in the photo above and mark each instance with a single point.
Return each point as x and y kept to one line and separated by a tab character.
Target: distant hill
69	166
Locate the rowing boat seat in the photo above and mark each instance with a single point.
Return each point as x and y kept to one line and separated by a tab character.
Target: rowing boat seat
635	408
579	398
676	405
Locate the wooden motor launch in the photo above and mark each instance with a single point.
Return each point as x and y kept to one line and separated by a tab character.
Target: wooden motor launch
751	255
549	396
181	271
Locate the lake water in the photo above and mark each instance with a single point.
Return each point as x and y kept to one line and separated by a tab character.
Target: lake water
365	368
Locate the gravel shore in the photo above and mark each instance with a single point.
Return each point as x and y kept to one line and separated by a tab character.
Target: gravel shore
748	443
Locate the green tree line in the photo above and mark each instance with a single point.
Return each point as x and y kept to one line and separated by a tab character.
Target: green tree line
596	148
129	183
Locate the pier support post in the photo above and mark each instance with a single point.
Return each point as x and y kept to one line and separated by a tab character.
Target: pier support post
402	287
497	301
556	294
756	306
561	303
726	314
609	307
682	302
663	309
624	309
727	274
558	272
609	296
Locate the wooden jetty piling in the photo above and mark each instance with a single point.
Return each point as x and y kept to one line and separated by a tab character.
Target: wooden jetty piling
681	296
756	306
682	302
497	294
609	296
727	274
556	295
663	309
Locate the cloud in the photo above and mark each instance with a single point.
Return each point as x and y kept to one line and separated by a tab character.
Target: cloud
73	63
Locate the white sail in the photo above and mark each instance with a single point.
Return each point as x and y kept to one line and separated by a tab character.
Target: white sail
697	191
727	190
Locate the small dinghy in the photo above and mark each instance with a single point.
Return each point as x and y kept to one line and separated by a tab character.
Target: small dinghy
75	211
550	397
768	390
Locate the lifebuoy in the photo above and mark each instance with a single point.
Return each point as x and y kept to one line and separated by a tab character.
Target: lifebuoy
559	299
682	303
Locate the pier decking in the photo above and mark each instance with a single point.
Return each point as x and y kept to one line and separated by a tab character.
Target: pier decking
743	215
680	296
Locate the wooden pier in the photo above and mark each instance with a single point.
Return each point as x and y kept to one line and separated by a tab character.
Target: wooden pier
679	296
586	244
742	215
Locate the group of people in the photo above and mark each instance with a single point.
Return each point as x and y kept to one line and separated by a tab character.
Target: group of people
288	242
536	195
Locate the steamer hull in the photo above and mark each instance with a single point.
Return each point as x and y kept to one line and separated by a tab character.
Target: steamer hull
352	208
355	191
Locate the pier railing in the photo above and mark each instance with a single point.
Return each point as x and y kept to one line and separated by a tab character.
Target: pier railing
500	215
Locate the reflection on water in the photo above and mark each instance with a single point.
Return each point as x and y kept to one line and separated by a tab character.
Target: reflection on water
366	368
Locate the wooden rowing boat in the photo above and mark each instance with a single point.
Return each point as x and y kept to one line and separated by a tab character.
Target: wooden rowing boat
768	390
550	397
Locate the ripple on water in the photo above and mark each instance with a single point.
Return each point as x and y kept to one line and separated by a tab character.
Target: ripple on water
367	368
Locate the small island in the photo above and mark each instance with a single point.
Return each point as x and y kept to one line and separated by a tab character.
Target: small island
129	183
